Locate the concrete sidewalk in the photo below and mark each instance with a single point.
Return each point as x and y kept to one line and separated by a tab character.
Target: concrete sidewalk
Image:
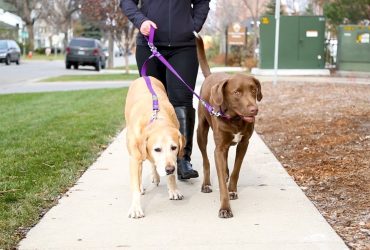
271	212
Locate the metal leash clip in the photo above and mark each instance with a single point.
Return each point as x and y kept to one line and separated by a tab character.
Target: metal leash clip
210	109
217	114
154	115
153	49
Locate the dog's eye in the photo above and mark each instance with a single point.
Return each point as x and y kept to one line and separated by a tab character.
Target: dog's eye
236	92
158	150
173	148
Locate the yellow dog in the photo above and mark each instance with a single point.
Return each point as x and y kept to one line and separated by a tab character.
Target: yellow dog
158	140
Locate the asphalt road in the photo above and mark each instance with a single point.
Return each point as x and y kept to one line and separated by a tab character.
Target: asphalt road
23	78
29	70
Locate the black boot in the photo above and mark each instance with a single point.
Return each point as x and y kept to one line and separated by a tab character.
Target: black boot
186	117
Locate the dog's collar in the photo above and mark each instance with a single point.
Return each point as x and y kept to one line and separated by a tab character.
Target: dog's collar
223	114
229	117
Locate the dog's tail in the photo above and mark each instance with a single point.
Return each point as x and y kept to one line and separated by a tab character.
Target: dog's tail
202	55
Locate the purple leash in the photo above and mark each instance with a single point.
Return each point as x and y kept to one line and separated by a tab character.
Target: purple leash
147	80
155	53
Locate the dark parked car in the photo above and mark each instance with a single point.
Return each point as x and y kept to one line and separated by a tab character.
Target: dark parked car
9	52
85	51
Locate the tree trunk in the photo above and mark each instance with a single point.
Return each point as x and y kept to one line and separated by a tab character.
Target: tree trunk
66	38
31	37
65	41
111	50
255	38
127	68
67	34
50	41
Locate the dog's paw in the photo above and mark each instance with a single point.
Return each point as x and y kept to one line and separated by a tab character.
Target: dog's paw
225	213
206	189
175	195
233	195
155	178
135	212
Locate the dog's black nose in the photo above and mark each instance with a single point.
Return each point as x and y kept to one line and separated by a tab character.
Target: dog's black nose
170	170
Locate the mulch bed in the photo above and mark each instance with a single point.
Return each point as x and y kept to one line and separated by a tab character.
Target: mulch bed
321	135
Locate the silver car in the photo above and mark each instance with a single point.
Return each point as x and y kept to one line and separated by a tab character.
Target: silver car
9	52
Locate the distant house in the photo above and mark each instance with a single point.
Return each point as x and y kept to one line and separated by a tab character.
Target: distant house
10	25
6	6
46	35
8	32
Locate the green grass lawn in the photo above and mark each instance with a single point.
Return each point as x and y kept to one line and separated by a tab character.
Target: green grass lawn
95	77
47	140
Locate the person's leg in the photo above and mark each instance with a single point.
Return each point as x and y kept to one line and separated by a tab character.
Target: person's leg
184	60
155	68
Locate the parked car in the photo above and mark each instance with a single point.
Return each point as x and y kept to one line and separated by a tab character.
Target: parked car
9	52
85	51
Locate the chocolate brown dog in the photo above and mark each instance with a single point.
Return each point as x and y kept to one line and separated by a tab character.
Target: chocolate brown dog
235	96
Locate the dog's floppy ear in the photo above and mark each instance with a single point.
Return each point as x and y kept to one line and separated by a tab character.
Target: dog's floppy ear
141	145
259	91
180	154
217	91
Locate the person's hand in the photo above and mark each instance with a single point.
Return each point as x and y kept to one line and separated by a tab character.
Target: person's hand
145	27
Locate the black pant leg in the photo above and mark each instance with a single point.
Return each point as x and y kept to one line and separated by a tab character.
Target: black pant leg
155	67
184	60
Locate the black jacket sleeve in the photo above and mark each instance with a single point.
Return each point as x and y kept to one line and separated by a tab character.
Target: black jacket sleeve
201	9
130	9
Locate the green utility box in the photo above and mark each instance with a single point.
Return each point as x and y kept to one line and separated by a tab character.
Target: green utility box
353	48
301	43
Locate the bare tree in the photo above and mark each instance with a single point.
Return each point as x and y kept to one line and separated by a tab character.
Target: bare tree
225	13
318	6
229	11
254	8
126	38
60	13
108	15
29	11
